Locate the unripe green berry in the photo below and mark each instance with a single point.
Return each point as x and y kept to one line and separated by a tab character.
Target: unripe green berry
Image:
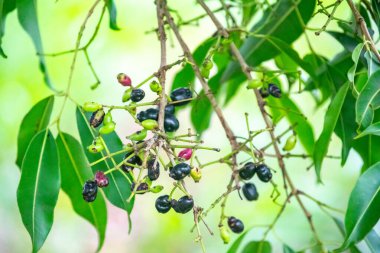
138	136
290	143
207	64
155	86
95	148
224	234
91	106
149	124
196	174
156	189
107	118
108	128
205	73
254	84
127	95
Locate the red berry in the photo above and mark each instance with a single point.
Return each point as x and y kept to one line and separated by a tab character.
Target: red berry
124	80
186	153
101	179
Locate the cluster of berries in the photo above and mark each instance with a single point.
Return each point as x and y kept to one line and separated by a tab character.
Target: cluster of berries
90	188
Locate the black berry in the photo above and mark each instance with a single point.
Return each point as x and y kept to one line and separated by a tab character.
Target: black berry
264	173
263	92
169	109
133	160
90	190
180	171
171	123
97	118
181	94
163	204
235	225
153	171
141	187
137	95
101	179
183	205
274	90
250	192
248	171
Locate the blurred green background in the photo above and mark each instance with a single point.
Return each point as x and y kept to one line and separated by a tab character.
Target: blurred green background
137	54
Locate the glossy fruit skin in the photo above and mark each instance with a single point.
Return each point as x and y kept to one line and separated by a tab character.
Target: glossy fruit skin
181	94
149	124
169	109
185	153
163	204
133	160
91	106
180	171
137	95
235	225
139	135
183	205
155	86
290	143
264	173
124	80
171	123
101	179
126	95
264	93
248	171
224	234
90	190
95	148
142	187
107	128
250	192
274	90
153	172
151	113
107	118
97	118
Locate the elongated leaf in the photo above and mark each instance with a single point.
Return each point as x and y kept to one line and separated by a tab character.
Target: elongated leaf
363	206
74	172
235	246
27	16
355	58
287	249
249	9
372	129
340	225
364	112
373	241
258	247
34	121
6	6
111	6
331	118
119	188
282	22
37	192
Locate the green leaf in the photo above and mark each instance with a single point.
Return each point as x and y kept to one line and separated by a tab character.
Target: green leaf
363	207
74	172
38	190
355	58
111	6
119	188
364	112
235	246
258	247
34	121
373	241
27	16
372	129
281	21
6	6
331	118
372	63
287	249
185	77
295	117
249	10
341	229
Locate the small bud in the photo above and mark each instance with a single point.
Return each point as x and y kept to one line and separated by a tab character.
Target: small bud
186	153
101	179
124	80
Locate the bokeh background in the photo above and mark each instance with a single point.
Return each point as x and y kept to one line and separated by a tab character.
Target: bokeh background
137	54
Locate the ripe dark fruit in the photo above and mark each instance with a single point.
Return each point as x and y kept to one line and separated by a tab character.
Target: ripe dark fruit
264	173
90	190
248	171
151	113
171	123
183	205
133	160
153	171
169	109
101	179
180	171
163	204
97	118
235	225
264	93
250	192
140	188
181	94
274	90
124	80
137	95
